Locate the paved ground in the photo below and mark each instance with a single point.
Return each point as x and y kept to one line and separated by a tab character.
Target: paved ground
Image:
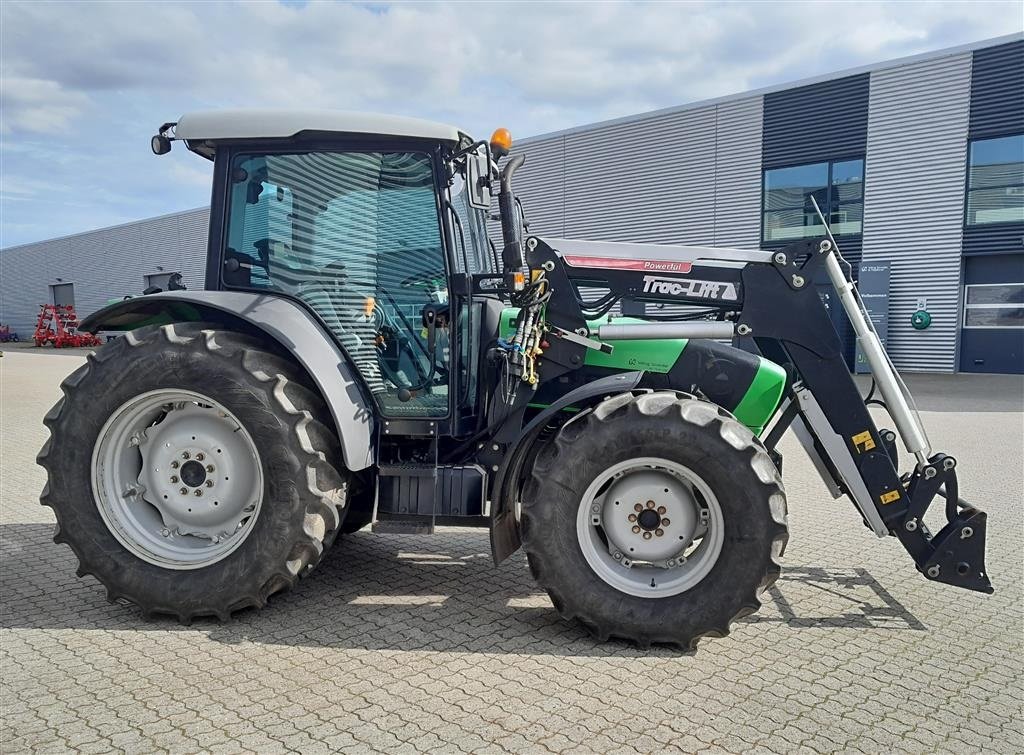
407	643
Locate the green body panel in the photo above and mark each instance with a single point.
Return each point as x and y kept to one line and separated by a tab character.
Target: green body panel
762	397
755	408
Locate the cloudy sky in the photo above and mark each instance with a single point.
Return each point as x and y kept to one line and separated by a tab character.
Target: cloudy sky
85	84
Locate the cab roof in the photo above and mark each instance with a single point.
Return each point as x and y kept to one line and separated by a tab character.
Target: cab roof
216	125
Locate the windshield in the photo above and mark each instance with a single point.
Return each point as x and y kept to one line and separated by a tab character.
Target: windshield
473	252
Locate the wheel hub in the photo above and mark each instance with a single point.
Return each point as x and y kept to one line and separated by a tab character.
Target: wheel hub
177	479
650	527
658	525
193	473
188	461
649	520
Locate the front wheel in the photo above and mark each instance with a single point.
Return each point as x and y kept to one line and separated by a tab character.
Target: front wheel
655	518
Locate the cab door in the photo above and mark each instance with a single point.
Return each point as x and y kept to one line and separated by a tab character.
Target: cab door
356	237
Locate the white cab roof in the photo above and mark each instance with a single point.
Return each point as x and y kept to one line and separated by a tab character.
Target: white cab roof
214	125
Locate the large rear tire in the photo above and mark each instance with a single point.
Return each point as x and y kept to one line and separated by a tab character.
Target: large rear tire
192	471
656	518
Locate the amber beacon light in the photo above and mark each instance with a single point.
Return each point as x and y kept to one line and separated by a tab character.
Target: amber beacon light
501	142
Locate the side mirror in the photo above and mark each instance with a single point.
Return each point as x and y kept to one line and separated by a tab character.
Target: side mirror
478	177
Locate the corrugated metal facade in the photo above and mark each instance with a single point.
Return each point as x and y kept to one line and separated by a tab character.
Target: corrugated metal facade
650	180
914	198
997	91
102	265
691	176
997	109
822	121
738	173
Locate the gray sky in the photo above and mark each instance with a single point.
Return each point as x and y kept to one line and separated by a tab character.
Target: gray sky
85	84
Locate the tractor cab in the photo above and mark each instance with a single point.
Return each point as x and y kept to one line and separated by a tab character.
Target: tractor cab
366	221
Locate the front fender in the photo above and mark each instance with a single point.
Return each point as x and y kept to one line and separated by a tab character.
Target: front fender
283	320
507	480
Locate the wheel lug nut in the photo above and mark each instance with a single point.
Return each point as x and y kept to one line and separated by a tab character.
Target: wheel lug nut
659	532
632	517
665	522
662	510
209	467
636	530
209	483
200	457
647	536
650	504
175	465
638	507
186	455
165	532
198	492
173	478
183	491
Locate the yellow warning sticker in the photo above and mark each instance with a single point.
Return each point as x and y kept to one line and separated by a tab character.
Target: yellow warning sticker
863	441
892	495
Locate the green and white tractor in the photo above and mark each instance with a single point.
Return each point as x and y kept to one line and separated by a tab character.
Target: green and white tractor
363	355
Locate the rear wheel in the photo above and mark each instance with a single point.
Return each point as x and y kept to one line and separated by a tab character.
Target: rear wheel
655	518
190	470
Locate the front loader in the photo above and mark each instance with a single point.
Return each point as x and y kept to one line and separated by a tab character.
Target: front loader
362	355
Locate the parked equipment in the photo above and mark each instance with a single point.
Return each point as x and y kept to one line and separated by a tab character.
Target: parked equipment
57	326
363	354
7	335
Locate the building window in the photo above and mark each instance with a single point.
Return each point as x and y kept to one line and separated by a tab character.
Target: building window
994	305
995	181
837	187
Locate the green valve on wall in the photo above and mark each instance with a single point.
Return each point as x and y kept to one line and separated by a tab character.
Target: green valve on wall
920	319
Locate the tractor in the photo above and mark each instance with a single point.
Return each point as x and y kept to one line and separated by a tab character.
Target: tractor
363	354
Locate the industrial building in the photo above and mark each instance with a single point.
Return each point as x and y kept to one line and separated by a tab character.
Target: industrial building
918	163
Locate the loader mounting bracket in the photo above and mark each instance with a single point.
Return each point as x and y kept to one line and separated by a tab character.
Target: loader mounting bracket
956	555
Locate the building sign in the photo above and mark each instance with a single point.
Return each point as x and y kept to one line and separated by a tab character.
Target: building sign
873	284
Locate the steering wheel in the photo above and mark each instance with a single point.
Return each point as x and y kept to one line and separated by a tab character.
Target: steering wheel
421	280
391	365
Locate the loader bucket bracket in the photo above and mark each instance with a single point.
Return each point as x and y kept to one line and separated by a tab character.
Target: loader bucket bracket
958	557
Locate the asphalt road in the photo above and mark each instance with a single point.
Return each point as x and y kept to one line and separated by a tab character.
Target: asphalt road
410	643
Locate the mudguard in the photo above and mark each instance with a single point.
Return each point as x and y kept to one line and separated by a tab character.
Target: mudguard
505	485
295	329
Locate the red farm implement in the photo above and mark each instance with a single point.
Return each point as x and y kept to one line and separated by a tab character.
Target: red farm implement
58	326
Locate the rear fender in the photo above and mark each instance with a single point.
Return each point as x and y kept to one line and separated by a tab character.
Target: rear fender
287	323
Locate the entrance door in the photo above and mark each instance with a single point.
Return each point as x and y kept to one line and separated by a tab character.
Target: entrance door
63	294
992	329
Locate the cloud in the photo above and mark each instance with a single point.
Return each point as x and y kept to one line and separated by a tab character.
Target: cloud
38	105
86	84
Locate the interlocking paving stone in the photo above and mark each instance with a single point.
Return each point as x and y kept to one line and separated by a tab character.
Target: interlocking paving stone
418	644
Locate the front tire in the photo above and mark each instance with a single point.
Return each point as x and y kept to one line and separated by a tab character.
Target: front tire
192	471
656	518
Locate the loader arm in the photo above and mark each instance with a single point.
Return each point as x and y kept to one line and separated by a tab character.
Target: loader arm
766	300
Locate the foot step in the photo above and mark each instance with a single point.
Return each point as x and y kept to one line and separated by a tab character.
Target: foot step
403	527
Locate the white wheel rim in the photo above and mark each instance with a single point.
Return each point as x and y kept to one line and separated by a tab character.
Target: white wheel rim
177	479
628	550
